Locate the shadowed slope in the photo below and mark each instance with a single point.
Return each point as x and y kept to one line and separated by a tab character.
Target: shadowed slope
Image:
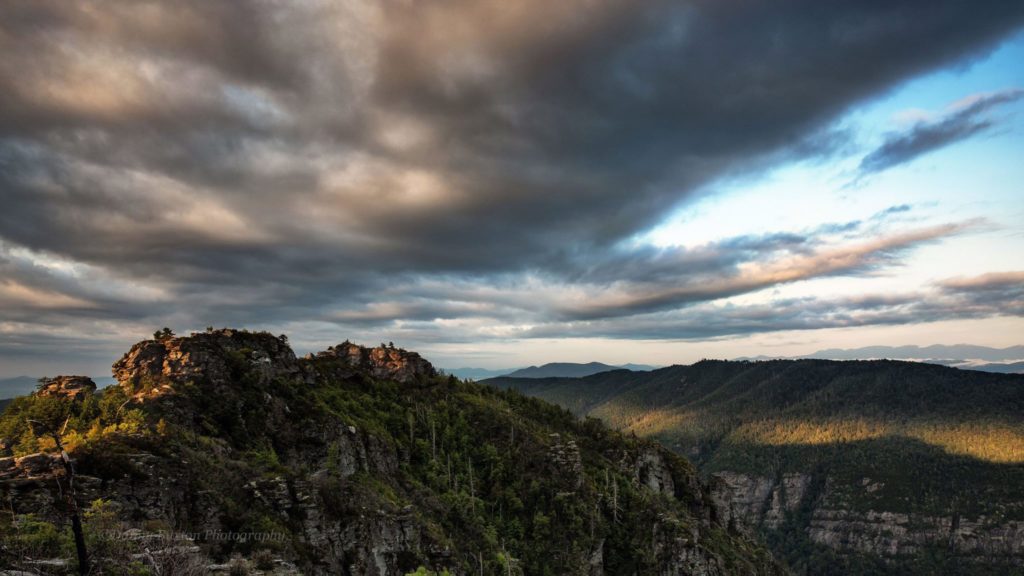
911	461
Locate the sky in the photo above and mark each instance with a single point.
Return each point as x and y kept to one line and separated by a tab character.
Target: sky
500	184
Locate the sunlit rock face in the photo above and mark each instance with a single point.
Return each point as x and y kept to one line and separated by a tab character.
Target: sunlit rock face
70	387
153	367
382	362
217	356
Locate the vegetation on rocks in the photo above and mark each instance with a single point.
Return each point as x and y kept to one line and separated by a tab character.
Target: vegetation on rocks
223	445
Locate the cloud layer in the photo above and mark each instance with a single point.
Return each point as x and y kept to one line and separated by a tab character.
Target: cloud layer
469	166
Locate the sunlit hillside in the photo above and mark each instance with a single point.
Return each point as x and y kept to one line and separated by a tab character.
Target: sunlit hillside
927	440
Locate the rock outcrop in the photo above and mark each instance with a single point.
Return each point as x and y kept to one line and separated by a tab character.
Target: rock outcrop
654	473
154	367
566	462
30	466
218	356
382	362
70	387
756	502
894	534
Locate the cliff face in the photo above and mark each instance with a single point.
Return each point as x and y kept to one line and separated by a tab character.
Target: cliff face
786	503
364	461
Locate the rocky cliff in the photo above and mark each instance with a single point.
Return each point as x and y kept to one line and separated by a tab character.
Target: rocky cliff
223	449
816	507
156	366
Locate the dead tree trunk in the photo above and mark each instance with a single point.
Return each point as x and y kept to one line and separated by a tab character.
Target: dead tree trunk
71	502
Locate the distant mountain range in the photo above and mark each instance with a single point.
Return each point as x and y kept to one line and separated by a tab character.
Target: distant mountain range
563	370
1008	368
550	370
966	356
477	373
17	386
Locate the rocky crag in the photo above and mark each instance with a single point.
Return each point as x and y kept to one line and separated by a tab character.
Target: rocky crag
70	387
814	506
222	451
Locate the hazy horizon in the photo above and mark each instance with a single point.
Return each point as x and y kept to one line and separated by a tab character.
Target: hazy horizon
1012	354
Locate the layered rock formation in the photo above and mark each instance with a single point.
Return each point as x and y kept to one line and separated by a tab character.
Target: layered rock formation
382	362
757	502
70	387
154	366
754	501
29	467
218	356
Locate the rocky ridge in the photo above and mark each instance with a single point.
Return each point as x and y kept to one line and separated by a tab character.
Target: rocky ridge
154	367
253	436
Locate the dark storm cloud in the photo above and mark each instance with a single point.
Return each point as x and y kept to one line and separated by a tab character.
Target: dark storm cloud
965	121
259	163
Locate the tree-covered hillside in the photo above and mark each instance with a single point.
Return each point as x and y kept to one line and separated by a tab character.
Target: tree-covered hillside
888	464
358	461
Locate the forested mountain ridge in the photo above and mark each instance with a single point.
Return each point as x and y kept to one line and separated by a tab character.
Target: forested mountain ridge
845	467
18	386
355	460
562	369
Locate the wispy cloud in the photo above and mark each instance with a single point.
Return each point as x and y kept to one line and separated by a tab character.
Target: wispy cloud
687	288
964	119
957	299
